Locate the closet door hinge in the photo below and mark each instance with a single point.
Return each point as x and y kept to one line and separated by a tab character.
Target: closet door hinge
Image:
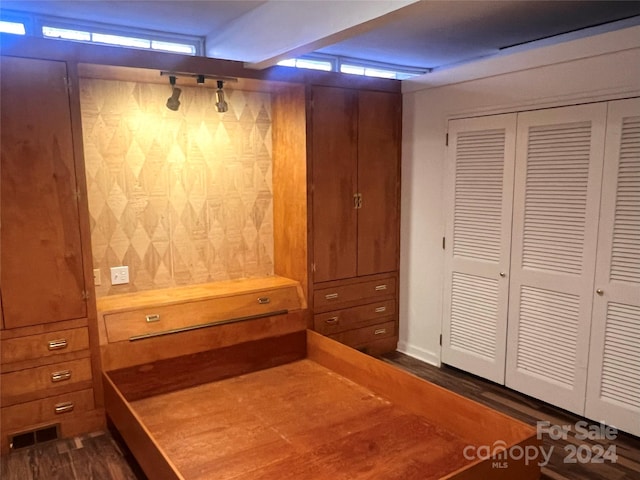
357	200
313	267
85	295
440	339
446	140
67	84
443	242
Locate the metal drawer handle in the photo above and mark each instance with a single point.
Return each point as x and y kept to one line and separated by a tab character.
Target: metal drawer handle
58	344
380	331
60	376
154	317
381	287
380	309
64	407
331	321
263	300
331	296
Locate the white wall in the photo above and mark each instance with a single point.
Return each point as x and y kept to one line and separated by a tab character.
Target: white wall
601	67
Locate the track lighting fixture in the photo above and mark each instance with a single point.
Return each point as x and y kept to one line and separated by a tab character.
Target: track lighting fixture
221	104
173	102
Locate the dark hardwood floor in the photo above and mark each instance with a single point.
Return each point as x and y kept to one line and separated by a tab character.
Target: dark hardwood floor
98	456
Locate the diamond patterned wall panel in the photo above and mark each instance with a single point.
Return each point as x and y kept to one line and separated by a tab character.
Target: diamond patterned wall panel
180	197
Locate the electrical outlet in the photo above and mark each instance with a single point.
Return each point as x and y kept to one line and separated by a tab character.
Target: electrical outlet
119	275
97	278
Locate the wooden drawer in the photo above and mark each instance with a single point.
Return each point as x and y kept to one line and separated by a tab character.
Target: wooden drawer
151	321
362	336
46	381
51	409
354	317
44	345
334	297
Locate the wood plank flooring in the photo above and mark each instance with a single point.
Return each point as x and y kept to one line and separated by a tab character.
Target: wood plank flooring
97	456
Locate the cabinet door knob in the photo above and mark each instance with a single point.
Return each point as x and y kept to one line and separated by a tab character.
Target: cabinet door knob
600	291
502	274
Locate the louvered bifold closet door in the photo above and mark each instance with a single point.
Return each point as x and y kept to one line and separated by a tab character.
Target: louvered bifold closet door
480	182
559	156
613	387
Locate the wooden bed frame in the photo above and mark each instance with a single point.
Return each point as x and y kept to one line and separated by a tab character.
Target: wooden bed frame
271	400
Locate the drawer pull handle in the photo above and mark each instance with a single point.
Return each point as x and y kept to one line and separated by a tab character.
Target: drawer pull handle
381	309
331	321
380	331
60	376
64	407
381	287
331	296
263	300
154	317
58	344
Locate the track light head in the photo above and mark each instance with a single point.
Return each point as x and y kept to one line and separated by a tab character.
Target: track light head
173	102
221	104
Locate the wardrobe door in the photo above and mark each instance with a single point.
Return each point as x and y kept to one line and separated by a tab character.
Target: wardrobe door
613	387
478	236
379	131
334	182
559	154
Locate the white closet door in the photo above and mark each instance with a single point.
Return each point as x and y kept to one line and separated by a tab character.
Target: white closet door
480	181
559	155
613	391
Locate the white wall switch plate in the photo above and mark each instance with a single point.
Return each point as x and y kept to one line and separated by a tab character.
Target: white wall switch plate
97	278
119	275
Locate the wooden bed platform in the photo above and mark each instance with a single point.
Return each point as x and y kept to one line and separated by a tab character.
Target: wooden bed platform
297	405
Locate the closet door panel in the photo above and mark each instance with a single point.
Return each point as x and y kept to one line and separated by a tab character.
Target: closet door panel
555	223
613	392
334	182
480	176
379	121
42	270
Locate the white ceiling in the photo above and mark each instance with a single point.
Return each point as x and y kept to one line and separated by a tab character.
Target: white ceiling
425	34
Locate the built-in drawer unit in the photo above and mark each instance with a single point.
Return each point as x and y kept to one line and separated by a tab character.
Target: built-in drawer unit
362	336
191	312
354	317
343	295
48	380
48	409
44	345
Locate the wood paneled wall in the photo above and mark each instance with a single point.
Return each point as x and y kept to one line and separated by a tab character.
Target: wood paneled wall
180	197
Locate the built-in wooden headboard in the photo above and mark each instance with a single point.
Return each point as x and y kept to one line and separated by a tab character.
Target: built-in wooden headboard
144	327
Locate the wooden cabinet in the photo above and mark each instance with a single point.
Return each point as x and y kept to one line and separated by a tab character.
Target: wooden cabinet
46	364
354	181
42	271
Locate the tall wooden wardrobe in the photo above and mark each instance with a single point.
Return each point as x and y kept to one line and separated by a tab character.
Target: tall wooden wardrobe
353	141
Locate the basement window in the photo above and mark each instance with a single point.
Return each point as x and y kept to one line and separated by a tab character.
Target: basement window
352	66
118	40
17	28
